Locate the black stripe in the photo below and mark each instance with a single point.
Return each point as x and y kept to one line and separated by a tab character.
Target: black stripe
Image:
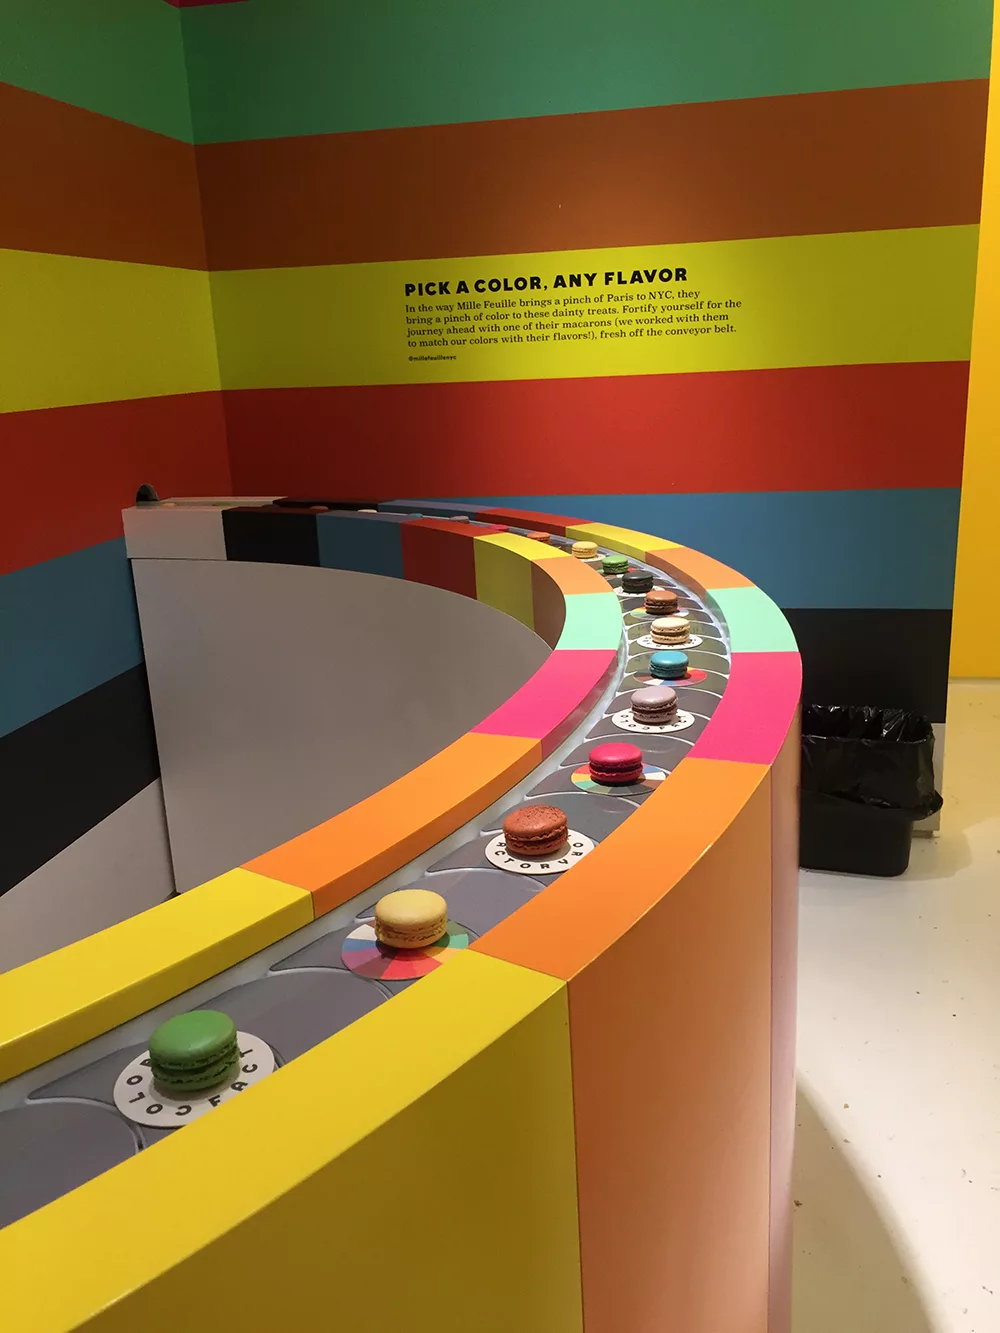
67	770
889	659
270	535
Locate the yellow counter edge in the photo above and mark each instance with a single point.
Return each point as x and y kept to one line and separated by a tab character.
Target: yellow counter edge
437	1129
65	998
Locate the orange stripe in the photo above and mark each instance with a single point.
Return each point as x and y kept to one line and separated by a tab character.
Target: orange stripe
576	919
357	848
861	160
76	183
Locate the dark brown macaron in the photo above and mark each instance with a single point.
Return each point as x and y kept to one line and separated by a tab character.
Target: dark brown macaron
661	601
535	830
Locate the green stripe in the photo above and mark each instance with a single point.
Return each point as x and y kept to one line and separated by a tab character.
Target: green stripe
755	623
123	58
593	620
289	67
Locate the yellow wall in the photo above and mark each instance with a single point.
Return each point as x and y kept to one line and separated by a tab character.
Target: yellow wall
976	641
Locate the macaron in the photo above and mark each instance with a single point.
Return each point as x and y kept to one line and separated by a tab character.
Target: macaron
670	629
410	918
615	765
539	536
669	665
614	564
584	550
193	1052
637	580
535	830
655	705
661	602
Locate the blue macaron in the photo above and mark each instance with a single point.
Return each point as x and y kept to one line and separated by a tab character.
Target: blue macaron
669	665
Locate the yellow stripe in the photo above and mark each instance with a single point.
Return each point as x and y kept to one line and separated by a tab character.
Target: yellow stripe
93	330
503	580
624	540
65	998
436	1130
526	547
840	299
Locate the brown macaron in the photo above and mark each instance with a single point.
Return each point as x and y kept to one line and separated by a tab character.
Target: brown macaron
535	830
661	602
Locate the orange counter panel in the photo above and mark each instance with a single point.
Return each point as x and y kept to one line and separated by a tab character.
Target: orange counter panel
586	910
670	1030
337	859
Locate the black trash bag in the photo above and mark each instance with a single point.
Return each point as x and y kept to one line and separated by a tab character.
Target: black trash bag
882	757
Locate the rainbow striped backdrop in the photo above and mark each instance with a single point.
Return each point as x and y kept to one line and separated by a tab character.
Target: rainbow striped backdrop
201	199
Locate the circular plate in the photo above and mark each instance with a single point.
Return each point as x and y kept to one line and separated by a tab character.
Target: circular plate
139	1100
575	846
638	614
694	677
627	722
651	779
365	954
692	641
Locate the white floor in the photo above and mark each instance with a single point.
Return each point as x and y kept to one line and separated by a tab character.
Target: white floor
898	1149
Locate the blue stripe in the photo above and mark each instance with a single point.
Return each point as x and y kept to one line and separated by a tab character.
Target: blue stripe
804	548
66	626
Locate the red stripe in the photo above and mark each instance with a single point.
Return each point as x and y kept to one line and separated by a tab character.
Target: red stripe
863	159
78	183
826	428
70	471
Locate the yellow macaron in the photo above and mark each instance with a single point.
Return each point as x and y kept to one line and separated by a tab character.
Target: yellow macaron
410	918
584	550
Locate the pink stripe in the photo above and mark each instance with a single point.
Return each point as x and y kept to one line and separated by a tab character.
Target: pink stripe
759	702
551	704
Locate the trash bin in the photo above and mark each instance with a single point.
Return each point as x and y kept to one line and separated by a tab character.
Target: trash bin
867	777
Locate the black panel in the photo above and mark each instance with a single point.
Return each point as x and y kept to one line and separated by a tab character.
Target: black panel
271	536
66	771
889	659
308	502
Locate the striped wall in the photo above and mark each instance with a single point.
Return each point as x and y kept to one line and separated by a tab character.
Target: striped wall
228	196
829	176
110	378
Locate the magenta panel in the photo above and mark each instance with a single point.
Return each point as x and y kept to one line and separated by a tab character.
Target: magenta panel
550	705
758	705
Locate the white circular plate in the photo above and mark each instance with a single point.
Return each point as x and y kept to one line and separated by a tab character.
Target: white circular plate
137	1099
647	641
575	846
639	613
627	722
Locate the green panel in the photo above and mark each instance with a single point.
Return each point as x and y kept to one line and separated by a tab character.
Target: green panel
593	620
123	58
287	67
755	623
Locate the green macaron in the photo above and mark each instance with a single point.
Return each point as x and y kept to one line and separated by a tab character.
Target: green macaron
614	564
194	1051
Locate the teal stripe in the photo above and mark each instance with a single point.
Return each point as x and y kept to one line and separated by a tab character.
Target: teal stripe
755	624
123	58
287	67
66	626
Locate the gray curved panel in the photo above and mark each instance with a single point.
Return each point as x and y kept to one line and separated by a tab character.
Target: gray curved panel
282	694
